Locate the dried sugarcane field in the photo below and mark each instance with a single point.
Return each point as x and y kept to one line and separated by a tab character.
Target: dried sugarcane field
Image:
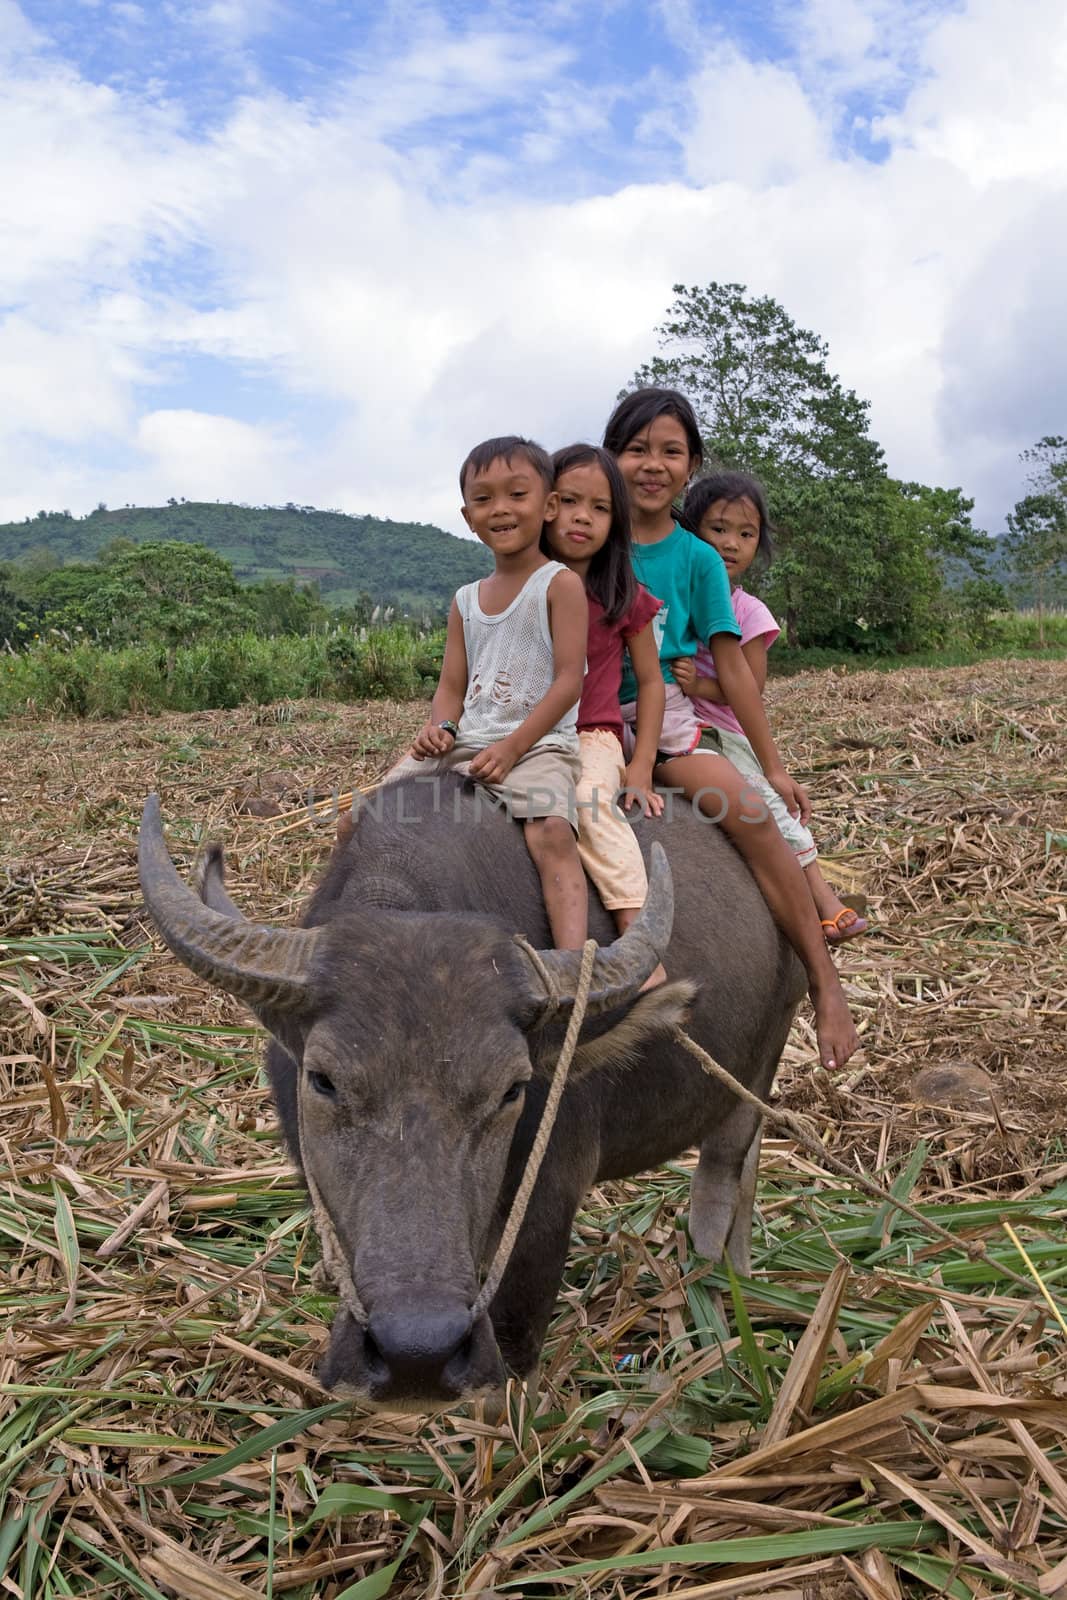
880	1411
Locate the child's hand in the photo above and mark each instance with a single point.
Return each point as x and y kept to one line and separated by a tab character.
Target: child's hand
494	763
638	790
431	741
685	674
793	793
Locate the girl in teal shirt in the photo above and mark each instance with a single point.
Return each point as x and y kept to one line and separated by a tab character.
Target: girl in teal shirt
654	436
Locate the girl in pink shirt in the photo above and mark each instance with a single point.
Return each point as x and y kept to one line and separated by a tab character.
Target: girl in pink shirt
728	510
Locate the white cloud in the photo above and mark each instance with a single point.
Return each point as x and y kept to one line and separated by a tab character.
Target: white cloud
750	123
16	34
70	385
213	457
994	104
424	298
235	20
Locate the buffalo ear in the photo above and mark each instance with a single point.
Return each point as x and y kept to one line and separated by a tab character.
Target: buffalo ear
652	1014
209	880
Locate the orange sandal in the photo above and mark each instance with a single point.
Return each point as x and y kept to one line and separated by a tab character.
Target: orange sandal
848	924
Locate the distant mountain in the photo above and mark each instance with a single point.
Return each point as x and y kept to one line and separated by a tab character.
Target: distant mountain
407	564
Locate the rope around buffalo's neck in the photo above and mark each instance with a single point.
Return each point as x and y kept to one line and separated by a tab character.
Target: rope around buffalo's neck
333	1255
517	1214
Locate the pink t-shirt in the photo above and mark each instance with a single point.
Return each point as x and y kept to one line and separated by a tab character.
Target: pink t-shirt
755	622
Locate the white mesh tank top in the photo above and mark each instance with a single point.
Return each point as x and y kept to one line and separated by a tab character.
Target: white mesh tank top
510	665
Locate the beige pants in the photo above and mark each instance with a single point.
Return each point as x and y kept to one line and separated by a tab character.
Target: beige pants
606	843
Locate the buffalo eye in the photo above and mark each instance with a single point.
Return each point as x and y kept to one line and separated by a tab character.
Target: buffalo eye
514	1093
322	1084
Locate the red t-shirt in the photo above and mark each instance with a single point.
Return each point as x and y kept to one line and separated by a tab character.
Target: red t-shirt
599	705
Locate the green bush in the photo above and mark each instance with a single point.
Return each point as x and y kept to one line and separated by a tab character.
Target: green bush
82	679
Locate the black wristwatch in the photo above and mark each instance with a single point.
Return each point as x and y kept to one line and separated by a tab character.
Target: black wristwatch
448	726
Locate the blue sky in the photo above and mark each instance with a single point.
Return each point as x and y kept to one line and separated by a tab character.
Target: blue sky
266	251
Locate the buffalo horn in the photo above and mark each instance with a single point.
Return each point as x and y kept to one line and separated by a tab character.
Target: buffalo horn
621	967
266	967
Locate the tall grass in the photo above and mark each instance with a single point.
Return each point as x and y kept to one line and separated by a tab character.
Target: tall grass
85	680
1008	635
59	676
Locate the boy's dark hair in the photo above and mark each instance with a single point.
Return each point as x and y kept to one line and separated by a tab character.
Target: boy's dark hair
610	575
505	449
639	410
730	486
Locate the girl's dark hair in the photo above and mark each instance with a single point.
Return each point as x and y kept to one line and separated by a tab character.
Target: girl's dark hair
730	486
639	410
610	575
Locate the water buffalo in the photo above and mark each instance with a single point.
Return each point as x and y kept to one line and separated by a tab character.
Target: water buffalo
415	1035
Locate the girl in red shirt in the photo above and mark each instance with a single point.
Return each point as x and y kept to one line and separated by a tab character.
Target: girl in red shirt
591	535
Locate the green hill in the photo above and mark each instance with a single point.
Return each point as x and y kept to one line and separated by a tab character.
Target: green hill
408	564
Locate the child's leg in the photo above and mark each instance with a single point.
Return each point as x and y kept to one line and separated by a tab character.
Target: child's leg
838	922
544	782
775	869
551	843
609	852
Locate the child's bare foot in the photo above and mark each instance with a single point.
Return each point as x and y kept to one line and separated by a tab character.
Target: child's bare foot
834	1027
654	979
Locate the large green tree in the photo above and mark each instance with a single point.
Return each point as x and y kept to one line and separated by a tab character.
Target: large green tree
1047	461
284	608
761	387
859	555
166	593
926	532
1037	550
1037	527
12	609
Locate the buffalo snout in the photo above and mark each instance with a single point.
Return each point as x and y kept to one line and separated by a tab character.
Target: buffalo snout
413	1354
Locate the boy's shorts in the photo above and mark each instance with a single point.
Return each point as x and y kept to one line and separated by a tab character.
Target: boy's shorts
540	784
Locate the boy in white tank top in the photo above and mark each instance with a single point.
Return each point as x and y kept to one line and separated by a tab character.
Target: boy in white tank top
506	706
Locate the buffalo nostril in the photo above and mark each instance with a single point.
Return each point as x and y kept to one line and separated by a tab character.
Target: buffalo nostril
376	1363
418	1340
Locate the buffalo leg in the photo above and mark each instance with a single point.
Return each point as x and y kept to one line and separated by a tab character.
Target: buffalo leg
722	1184
739	1240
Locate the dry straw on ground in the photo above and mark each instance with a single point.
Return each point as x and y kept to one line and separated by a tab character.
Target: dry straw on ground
874	1414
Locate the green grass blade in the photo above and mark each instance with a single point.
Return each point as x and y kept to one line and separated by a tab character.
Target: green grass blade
749	1347
266	1439
138	1585
887	1217
377	1584
765	1549
552	1510
66	1236
347	1499
374	1585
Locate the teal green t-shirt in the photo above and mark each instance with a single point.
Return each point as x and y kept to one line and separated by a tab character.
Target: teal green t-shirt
690	578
